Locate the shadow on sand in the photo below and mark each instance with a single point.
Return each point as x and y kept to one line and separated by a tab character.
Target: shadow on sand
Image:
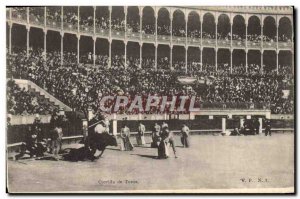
141	146
114	149
147	156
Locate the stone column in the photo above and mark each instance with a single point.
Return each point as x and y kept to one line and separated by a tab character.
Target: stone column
171	27
201	60
262	34
110	10
277	27
231	23
78	48
141	23
186	54
171	56
125	28
277	64
231	51
45	16
246	61
186	28
94	36
9	13
246	33
62	18
262	60
201	34
27	15
61	48
216	58
223	124
9	42
78	24
109	52
156	16
45	44
94	50
216	22
155	64
125	53
141	54
260	125
27	40
94	19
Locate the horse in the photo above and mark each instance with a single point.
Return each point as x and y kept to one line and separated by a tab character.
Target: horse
98	139
94	144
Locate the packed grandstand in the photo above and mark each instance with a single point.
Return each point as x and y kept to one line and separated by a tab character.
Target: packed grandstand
83	71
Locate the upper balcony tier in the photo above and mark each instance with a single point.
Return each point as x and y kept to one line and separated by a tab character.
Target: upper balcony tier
266	28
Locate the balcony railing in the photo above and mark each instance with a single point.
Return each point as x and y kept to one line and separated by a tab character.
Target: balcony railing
86	29
178	40
233	105
133	35
224	43
117	34
194	41
287	44
164	38
102	32
238	43
254	44
269	44
148	37
208	42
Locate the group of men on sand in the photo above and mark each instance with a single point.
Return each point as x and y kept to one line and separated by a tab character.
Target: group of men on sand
36	142
162	138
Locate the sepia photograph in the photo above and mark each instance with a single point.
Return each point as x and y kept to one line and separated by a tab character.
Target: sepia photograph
150	99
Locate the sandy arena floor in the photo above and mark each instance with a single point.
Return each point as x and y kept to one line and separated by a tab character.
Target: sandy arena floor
212	162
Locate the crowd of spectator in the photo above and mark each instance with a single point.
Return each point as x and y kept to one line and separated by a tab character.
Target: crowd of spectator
102	23
23	102
36	14
194	33
163	29
53	15
148	29
133	26
178	32
81	86
118	24
70	18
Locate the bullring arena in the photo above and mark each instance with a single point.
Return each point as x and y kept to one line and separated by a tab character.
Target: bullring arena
237	61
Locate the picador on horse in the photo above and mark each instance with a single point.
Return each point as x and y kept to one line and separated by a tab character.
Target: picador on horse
95	143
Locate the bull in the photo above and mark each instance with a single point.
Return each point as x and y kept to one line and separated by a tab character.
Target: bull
93	144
